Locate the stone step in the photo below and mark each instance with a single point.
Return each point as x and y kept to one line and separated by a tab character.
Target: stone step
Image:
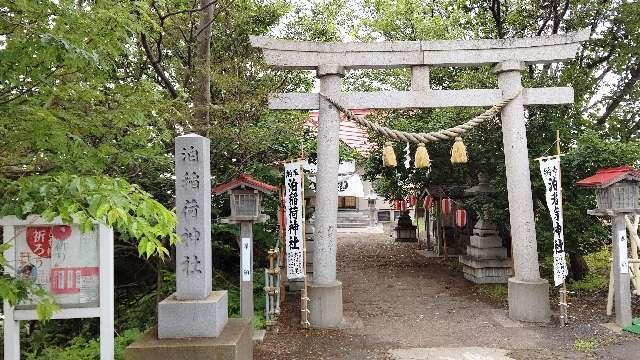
359	224
488	272
486	279
485	241
487	253
485	263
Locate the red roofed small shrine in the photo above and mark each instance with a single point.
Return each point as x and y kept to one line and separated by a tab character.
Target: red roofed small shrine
244	181
609	176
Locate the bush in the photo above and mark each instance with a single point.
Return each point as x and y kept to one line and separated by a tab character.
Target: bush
83	349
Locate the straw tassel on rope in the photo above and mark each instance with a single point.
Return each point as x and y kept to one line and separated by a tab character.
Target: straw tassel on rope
422	157
388	156
459	152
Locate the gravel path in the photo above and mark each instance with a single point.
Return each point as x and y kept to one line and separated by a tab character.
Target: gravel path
395	298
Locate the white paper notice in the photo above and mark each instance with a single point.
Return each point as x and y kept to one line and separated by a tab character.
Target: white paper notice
550	170
622	250
62	260
245	256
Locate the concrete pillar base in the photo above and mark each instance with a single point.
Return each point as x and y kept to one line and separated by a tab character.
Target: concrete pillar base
529	300
234	343
325	305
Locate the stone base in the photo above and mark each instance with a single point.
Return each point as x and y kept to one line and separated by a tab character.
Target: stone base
233	343
529	300
179	319
486	279
486	271
325	305
480	253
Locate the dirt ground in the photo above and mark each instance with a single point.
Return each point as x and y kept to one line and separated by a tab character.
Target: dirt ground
395	298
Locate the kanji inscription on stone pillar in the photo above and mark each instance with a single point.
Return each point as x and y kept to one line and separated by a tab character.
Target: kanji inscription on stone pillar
193	212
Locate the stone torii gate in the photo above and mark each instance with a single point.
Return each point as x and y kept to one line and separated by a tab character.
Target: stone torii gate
528	293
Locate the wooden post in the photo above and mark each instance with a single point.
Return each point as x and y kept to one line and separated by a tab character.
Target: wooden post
246	263
107	311
563	304
11	326
621	282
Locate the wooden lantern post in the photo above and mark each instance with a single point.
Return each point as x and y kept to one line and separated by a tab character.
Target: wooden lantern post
245	195
617	196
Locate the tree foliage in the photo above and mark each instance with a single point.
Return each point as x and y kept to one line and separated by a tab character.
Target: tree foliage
600	130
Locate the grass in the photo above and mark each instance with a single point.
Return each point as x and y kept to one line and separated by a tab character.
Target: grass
233	291
586	345
596	280
495	292
598	277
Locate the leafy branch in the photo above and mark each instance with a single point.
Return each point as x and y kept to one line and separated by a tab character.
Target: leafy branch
88	199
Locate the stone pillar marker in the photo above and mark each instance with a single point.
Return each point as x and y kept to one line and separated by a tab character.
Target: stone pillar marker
194	310
193	209
528	293
193	322
325	292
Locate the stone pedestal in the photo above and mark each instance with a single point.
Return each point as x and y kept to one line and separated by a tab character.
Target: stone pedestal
179	319
529	300
325	305
486	261
233	343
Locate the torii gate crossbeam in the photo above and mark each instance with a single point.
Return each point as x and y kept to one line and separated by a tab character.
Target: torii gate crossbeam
528	293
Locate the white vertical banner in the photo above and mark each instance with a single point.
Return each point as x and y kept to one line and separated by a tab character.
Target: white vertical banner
294	220
623	251
550	170
245	257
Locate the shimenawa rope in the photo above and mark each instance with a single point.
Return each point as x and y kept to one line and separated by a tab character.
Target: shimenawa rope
445	134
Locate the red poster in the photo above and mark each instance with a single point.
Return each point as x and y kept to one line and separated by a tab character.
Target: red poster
39	240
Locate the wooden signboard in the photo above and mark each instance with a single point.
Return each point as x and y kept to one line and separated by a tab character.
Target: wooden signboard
384	215
76	268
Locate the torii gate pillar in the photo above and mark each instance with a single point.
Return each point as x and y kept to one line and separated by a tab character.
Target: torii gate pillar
325	292
528	293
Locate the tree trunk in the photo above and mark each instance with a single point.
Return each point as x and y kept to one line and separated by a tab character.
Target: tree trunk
202	86
579	268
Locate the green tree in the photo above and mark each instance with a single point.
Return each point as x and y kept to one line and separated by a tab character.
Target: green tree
603	76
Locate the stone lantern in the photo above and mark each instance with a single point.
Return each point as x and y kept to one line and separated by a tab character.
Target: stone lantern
486	261
405	231
617	196
245	198
371	202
